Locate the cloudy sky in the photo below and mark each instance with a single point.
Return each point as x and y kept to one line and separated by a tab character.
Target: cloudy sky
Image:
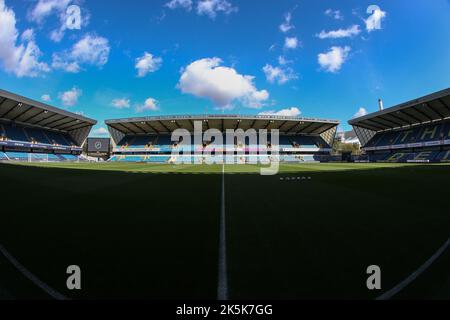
325	59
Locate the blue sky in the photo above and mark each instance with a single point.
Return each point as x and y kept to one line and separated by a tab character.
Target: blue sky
325	59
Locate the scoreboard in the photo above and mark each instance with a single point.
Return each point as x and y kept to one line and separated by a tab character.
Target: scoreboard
98	146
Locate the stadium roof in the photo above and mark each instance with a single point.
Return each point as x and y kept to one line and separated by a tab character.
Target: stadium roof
167	124
23	110
433	107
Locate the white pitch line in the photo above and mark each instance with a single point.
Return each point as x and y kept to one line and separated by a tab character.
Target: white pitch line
222	286
390	293
51	292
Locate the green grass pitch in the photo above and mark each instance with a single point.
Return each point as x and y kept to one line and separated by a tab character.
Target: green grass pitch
151	231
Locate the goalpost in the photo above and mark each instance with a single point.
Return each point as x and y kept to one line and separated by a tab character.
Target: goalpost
41	158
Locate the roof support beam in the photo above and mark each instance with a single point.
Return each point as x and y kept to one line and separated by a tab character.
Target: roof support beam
162	124
411	116
281	125
3	101
74	127
139	128
294	126
370	127
152	127
192	124
313	130
374	126
41	122
444	104
304	128
321	130
440	115
126	129
34	116
392	122
383	125
400	119
21	114
9	111
62	125
422	113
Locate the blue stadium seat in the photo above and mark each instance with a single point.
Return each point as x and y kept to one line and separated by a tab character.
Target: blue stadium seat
19	156
15	133
68	157
443	156
418	134
37	135
59	138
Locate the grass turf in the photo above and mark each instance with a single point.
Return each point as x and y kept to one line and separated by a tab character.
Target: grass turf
155	235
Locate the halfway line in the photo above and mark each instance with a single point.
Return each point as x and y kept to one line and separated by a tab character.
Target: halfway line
222	286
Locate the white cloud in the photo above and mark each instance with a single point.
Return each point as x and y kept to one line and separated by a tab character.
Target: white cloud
211	8
286	25
57	35
283	61
373	22
45	8
361	112
149	105
20	59
102	131
27	35
46	98
90	50
333	60
206	78
278	74
147	63
121	103
289	112
290	43
58	62
70	98
175	4
354	30
336	14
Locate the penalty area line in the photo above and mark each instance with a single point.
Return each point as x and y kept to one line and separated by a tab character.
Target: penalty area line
50	291
222	286
413	276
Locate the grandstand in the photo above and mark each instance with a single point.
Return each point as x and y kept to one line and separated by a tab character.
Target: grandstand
414	131
149	139
33	131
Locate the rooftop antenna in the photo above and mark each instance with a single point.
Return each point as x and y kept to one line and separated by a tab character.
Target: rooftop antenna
380	104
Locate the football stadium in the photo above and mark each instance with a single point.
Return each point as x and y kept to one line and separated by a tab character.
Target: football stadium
228	158
148	222
415	131
150	139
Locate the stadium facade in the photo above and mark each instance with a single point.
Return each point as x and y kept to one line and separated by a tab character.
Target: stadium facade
414	131
33	131
149	139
